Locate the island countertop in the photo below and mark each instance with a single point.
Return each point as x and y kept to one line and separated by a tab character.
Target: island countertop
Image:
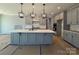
33	31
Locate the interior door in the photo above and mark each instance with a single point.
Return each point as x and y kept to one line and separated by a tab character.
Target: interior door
59	27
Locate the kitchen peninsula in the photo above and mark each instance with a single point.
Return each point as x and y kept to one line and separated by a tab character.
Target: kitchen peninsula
31	37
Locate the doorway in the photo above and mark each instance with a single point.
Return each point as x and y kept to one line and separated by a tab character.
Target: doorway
60	27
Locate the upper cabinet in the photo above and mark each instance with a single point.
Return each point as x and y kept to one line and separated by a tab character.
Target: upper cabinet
72	16
78	15
69	17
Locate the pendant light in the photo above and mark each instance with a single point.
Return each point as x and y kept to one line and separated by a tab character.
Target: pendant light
44	15
21	14
33	14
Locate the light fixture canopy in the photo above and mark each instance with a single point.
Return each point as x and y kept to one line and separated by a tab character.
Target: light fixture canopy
21	14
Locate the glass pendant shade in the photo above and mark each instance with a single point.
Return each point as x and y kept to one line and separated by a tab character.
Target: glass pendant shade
21	14
44	15
33	14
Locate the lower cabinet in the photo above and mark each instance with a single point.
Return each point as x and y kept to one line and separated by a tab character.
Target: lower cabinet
15	39
47	38
72	37
64	35
39	38
31	38
23	39
76	39
68	36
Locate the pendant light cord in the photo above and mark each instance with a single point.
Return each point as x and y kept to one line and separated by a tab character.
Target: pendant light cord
33	7
21	7
44	8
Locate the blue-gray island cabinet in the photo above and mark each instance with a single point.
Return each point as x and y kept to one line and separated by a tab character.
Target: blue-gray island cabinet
32	37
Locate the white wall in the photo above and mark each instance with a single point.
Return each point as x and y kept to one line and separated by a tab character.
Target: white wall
9	21
0	23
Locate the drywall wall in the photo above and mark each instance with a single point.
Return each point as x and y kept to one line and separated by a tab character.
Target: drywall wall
0	23
9	21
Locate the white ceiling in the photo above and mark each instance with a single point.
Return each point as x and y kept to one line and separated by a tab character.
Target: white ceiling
14	8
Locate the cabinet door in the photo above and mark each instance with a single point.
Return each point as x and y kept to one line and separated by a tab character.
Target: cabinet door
64	35
12	38
78	16
23	39
15	38
74	16
76	40
39	38
69	17
67	36
47	38
31	38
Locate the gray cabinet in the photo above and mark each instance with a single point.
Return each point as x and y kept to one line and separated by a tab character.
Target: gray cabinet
78	16
67	36
23	39
31	38
64	35
76	39
15	38
47	38
74	16
39	38
72	37
69	17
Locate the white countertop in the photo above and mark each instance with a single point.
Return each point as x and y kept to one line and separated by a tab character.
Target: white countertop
33	31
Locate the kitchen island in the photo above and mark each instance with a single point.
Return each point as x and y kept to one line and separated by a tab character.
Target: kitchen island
31	37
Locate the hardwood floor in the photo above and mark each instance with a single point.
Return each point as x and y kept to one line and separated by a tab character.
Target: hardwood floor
58	47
